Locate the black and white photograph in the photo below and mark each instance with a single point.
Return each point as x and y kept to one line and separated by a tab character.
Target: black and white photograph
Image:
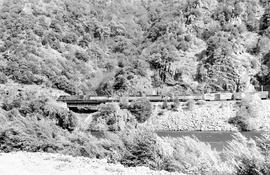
134	87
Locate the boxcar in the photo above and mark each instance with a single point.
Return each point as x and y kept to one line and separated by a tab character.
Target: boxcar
210	97
225	96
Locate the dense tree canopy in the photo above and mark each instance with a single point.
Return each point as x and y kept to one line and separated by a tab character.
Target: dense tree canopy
135	46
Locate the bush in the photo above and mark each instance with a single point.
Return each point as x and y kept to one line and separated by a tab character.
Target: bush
28	105
83	56
29	134
124	103
186	155
191	156
53	39
240	122
141	108
3	78
141	149
70	38
107	109
63	117
247	157
176	103
249	108
20	133
165	104
264	144
111	118
62	83
190	104
9	104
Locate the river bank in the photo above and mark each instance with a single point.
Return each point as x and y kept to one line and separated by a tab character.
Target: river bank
210	116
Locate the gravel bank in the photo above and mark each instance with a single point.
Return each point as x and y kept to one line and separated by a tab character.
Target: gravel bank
23	163
211	116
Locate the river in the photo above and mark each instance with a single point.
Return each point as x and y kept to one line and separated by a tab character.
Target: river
217	139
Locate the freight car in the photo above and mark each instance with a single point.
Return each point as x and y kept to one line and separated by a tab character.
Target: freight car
94	101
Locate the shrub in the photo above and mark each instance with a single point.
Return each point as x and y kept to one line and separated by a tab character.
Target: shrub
53	39
62	83
185	155
247	157
240	122
3	78
141	108
201	102
29	134
264	144
31	106
107	109
28	105
83	56
124	103
38	30
249	108
63	117
191	104
165	104
70	38
191	156
83	43
111	118
11	100
141	149
176	103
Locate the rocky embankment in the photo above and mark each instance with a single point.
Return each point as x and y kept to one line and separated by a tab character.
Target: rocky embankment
210	116
25	163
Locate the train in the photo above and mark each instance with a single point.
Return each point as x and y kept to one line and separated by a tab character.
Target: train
82	100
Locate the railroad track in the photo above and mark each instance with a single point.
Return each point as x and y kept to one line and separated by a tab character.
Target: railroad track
92	102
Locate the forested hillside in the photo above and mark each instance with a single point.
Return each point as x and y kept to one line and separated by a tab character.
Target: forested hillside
131	46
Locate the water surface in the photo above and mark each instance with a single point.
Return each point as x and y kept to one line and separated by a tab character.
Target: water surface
217	139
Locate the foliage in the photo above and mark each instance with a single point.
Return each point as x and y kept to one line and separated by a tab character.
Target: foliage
249	108
29	134
131	147
190	104
241	122
111	118
64	84
141	150
65	44
141	108
19	133
124	103
3	78
165	104
186	155
247	157
82	56
191	156
176	103
64	118
28	105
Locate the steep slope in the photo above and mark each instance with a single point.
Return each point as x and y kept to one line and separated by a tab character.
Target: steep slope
128	47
